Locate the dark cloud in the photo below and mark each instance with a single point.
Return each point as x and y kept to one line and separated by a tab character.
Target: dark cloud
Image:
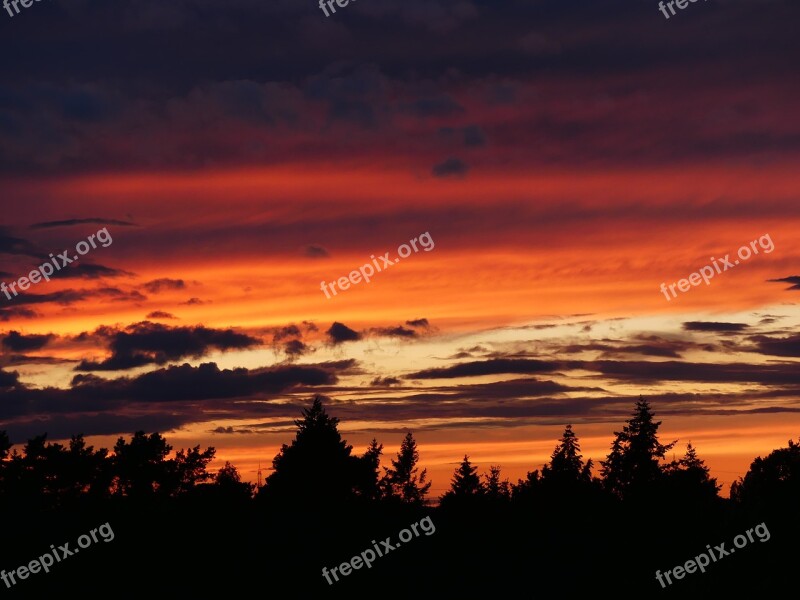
222	430
94	424
504	402
8	379
474	136
537	44
89	271
314	251
18	342
423	323
398	331
71	222
649	350
339	333
494	366
10	244
63	297
285	332
118	295
24	359
160	314
471	136
785	346
295	348
594	346
180	386
71	296
153	343
209	109
158	285
385	381
609	350
195	301
682	345
440	105
516	388
208	381
352	93
16	312
635	372
794	280
650	372
451	167
713	326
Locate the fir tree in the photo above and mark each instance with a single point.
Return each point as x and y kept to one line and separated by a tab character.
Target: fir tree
369	478
403	480
495	489
465	482
689	479
633	464
526	489
566	462
318	464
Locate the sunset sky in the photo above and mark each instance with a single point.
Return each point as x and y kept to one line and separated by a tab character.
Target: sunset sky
565	159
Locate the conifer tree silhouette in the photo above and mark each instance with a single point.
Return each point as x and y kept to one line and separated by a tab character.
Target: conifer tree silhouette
689	481
465	486
632	467
566	462
403	480
317	466
368	485
495	489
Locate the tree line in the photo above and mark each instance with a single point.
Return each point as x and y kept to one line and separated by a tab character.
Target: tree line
318	465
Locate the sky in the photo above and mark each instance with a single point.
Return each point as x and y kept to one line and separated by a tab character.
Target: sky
548	166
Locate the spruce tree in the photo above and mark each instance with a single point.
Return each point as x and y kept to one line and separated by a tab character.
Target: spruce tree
403	480
526	490
566	462
495	489
690	481
465	482
317	466
633	465
369	478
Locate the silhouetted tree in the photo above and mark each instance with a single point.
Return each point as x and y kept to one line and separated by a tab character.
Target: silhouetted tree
566	463
50	475
466	485
688	480
42	472
317	466
229	485
772	482
5	446
368	484
86	472
403	480
189	468
525	490
495	489
140	467
564	480
632	467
